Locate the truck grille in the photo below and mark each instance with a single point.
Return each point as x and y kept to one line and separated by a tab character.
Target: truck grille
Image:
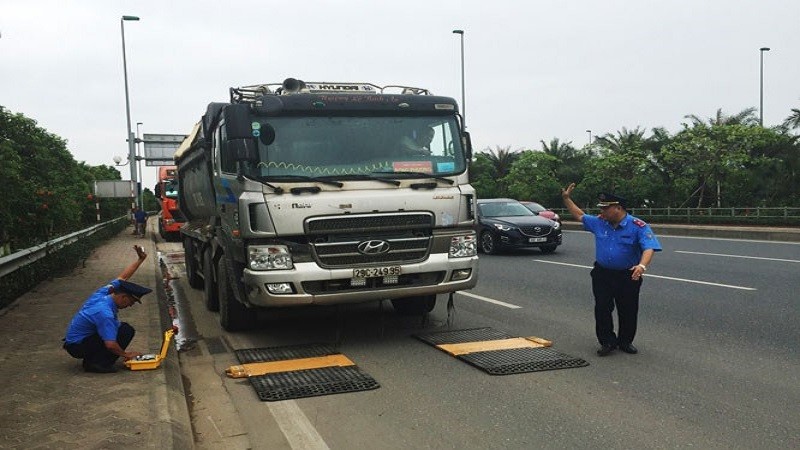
536	231
335	241
369	222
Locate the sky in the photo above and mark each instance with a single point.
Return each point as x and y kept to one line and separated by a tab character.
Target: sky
534	70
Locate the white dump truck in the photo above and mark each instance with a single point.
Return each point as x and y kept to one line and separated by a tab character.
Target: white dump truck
302	193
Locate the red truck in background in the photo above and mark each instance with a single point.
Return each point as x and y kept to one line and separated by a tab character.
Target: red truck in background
170	218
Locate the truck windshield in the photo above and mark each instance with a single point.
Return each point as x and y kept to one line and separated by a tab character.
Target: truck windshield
341	146
171	188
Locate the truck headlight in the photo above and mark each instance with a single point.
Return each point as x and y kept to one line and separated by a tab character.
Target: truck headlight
269	257
556	225
502	227
463	246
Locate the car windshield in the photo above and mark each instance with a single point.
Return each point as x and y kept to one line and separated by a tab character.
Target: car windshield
339	147
535	207
508	209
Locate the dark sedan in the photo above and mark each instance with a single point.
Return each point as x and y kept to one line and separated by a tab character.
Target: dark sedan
506	223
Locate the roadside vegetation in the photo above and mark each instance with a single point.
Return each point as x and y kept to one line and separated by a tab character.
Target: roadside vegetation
726	161
46	193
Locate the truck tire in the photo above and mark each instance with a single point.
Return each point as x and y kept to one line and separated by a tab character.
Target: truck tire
194	278
210	282
233	316
414	306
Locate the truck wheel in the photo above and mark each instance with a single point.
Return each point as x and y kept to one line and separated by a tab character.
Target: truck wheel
414	306
233	316
488	243
195	280
210	288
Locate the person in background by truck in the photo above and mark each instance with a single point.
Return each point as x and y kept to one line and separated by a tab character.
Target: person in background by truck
140	217
95	335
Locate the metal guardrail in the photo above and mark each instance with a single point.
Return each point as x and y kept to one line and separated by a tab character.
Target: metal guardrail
688	214
22	258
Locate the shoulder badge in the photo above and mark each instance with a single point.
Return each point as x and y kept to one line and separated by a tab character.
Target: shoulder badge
639	223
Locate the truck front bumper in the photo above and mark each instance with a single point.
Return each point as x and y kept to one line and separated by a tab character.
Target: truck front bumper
314	285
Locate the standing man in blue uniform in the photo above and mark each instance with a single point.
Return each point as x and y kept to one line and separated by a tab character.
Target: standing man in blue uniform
624	247
95	335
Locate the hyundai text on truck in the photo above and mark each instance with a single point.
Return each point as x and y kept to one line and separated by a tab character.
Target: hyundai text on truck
302	193
170	218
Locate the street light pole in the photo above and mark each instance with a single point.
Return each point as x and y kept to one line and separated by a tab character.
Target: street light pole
463	101
139	163
590	136
130	138
761	88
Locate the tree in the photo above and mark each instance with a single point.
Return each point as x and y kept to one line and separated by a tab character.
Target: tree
744	117
533	177
793	121
46	192
500	162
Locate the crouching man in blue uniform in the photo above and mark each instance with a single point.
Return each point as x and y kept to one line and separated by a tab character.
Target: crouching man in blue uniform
95	335
624	247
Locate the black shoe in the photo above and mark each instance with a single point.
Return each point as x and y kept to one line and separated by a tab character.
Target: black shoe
628	348
97	368
605	350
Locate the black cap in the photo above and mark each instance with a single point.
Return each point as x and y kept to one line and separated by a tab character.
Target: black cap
132	289
609	199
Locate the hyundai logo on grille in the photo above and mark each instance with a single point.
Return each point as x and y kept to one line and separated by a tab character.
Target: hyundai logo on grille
374	247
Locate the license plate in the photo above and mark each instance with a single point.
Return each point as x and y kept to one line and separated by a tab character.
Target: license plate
544	239
371	272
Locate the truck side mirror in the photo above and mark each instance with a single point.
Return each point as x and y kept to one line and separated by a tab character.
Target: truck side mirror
244	150
238	122
466	142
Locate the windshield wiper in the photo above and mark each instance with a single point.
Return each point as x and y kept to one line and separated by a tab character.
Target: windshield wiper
363	176
419	175
322	180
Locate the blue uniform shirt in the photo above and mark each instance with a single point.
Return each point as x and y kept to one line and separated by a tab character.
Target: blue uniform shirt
620	248
97	315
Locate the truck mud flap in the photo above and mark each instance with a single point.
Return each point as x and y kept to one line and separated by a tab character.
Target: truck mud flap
498	353
298	371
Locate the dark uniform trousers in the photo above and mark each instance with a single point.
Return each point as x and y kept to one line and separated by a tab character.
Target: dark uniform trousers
93	351
615	288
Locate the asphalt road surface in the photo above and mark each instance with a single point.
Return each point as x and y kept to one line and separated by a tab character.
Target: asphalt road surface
718	363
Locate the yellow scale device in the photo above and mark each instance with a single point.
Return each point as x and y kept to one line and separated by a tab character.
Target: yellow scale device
151	360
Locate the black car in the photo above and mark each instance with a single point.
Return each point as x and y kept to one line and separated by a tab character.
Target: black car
506	223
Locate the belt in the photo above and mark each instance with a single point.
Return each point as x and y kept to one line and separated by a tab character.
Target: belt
598	266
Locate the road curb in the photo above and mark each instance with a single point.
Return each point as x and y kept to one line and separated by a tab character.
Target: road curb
169	407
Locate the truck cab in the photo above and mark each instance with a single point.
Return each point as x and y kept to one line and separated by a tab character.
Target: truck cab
170	218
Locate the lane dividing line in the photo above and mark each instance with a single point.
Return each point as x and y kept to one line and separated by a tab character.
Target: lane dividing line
743	288
295	425
490	300
739	256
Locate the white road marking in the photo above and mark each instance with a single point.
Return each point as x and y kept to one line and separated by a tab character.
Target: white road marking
294	424
490	300
739	256
708	283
